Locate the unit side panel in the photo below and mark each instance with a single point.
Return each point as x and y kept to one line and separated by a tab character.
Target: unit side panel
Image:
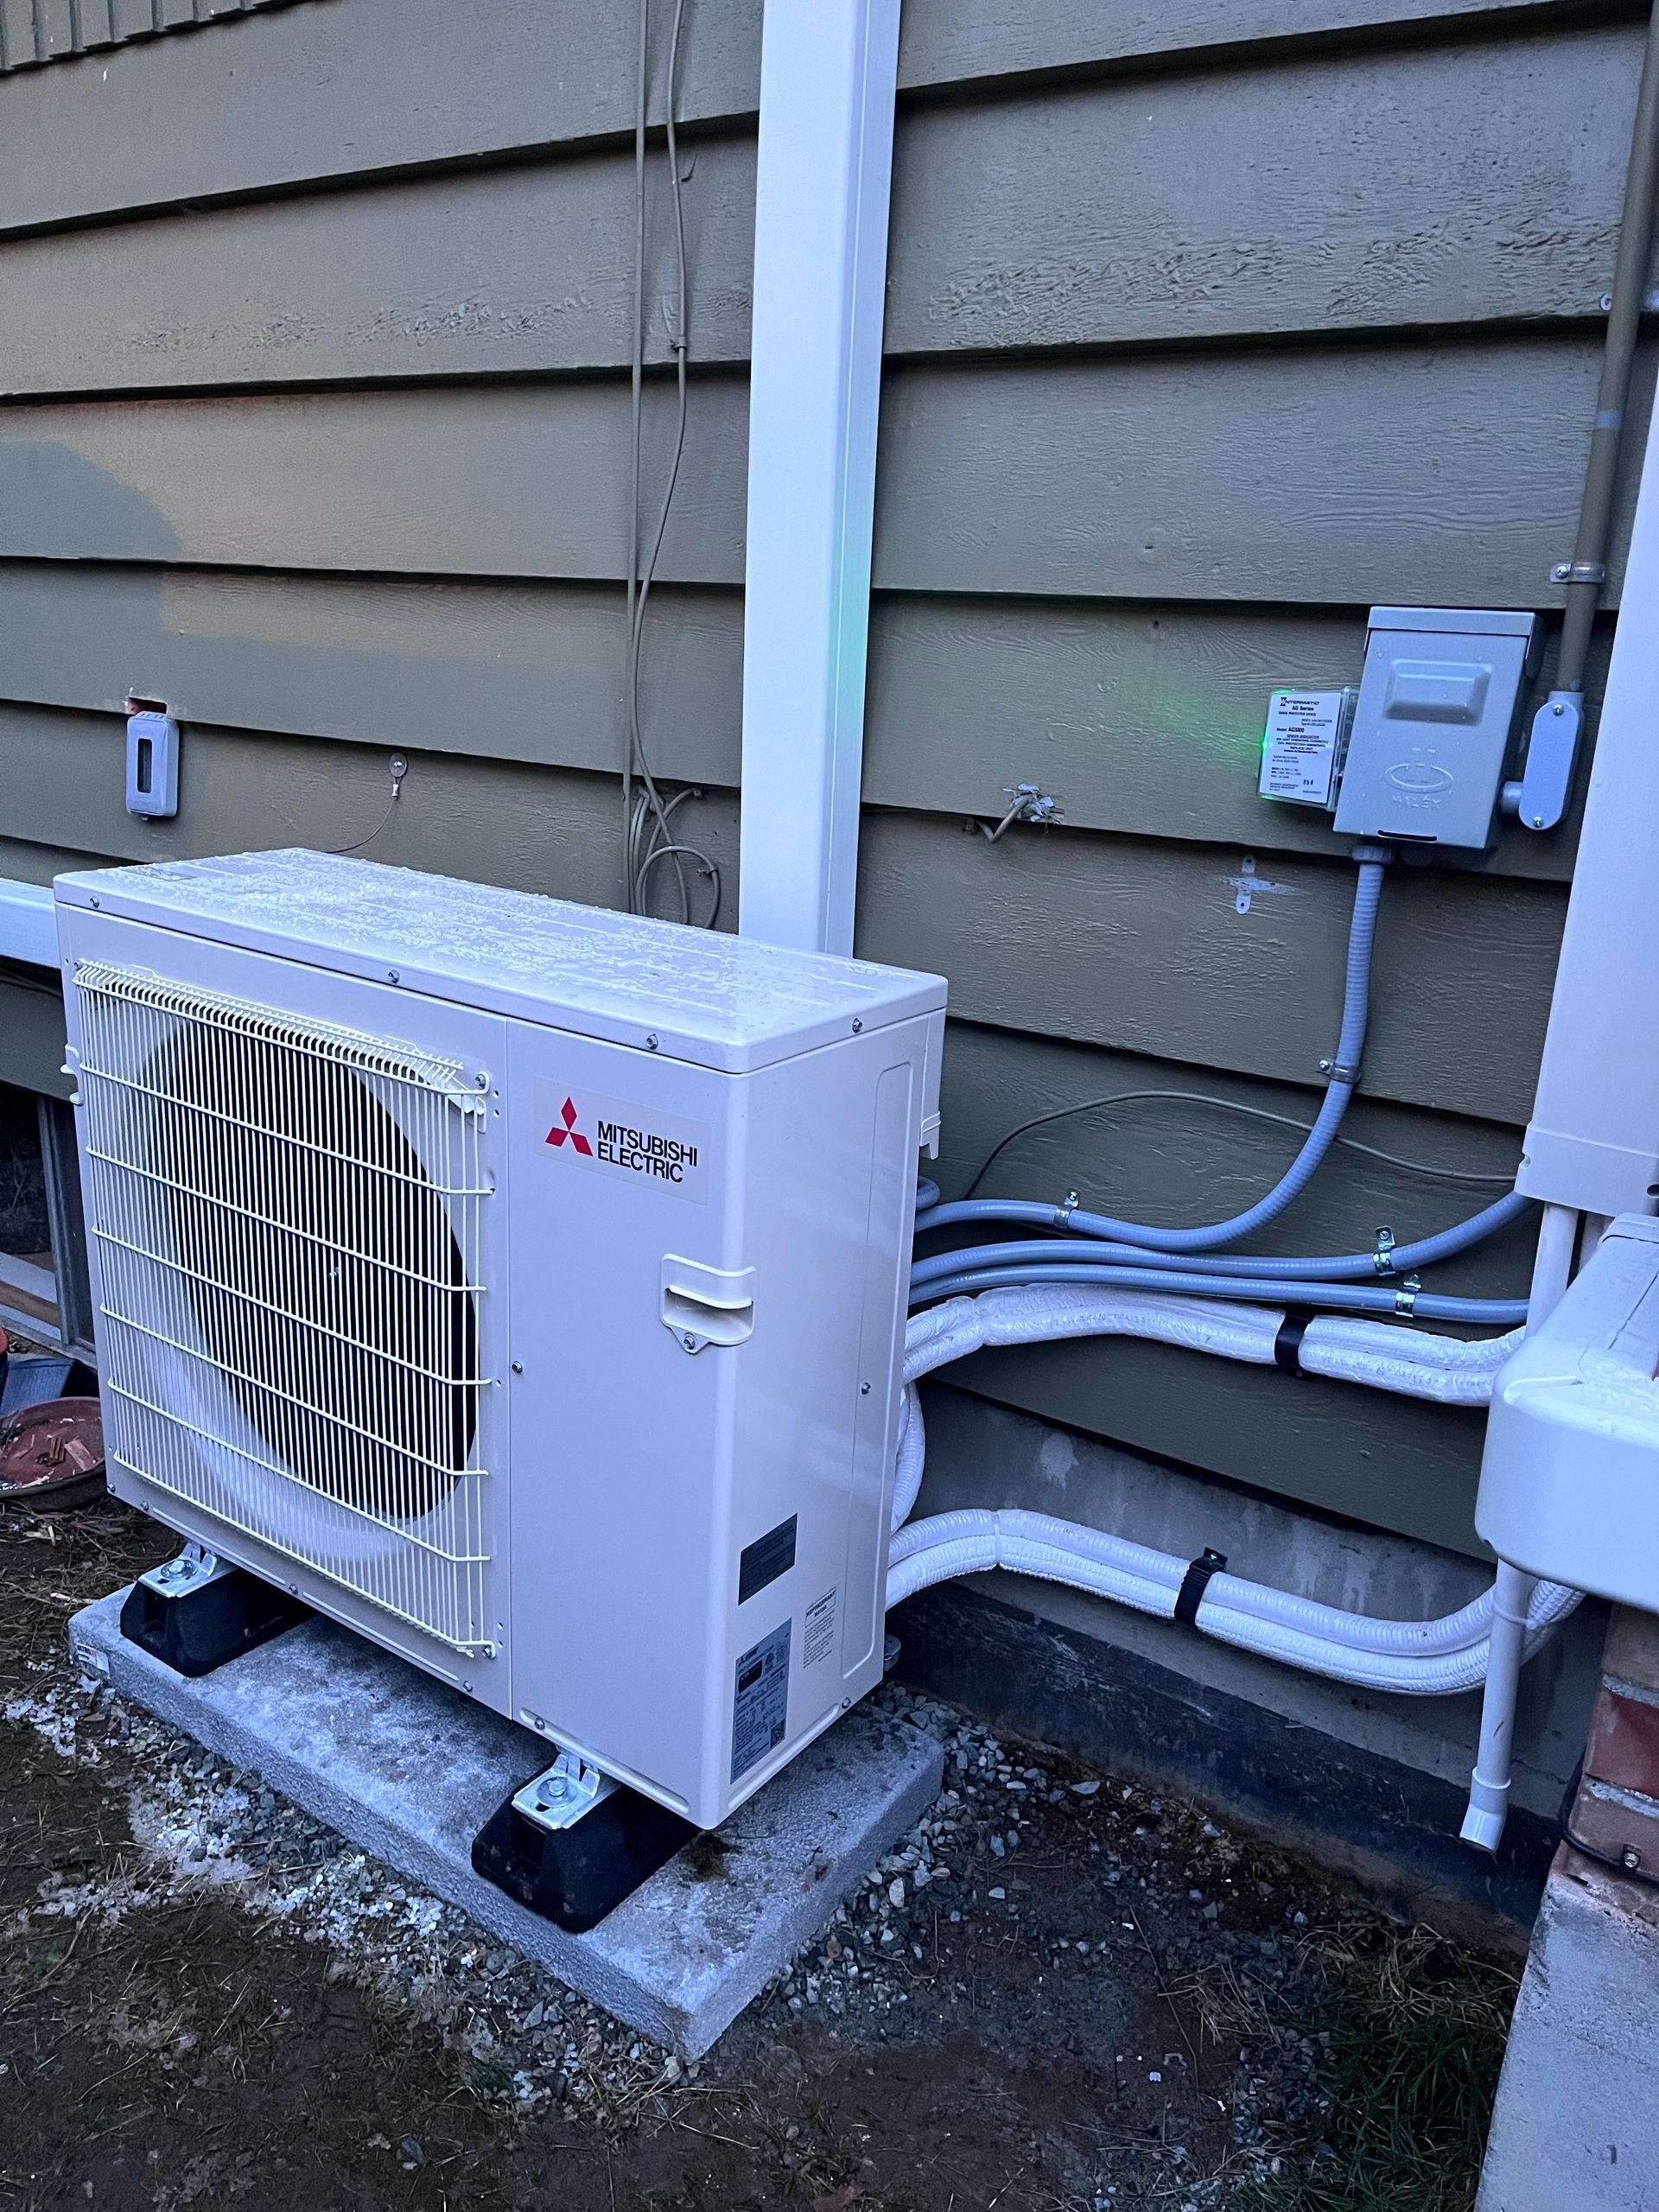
617	1158
833	1142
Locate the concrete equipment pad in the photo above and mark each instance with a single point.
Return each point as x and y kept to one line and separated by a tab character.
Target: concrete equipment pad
410	1769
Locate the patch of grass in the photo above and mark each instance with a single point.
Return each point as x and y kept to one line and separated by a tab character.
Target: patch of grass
1402	2035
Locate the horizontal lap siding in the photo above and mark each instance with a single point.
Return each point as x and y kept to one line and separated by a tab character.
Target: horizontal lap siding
206	119
1209	324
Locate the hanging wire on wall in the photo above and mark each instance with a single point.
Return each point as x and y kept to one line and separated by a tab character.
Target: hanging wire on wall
649	839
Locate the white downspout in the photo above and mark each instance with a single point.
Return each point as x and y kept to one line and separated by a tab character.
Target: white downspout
828	74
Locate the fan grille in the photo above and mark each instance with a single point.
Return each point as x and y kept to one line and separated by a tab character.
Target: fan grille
287	1217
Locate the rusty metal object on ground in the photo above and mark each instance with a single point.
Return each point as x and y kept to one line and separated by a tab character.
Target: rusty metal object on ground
52	1454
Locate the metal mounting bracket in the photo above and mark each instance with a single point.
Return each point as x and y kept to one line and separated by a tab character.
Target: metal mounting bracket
557	1798
194	1567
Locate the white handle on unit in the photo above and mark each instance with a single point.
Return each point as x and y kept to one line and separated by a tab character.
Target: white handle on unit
707	1305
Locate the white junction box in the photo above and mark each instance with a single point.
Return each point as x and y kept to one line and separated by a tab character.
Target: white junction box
1302	750
522	1284
1569	1486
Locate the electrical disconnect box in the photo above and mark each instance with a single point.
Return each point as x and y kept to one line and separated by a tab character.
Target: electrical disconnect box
1435	725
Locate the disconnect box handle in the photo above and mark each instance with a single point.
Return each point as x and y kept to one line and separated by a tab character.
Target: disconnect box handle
707	1305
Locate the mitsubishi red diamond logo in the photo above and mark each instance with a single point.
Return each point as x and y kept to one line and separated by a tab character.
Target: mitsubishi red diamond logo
557	1136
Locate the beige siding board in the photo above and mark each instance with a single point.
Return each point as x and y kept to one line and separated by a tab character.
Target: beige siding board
1142	719
493	822
1346	192
1400	190
345	88
1145	722
510	479
278	101
503	270
512	672
944	42
1124	943
1447	475
1416	475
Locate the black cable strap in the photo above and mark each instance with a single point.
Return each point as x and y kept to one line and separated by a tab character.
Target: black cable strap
1194	1583
1287	1344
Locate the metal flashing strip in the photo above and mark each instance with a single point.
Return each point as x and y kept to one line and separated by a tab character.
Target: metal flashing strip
29	928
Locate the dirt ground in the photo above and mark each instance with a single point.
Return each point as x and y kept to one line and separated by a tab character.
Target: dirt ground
1061	1995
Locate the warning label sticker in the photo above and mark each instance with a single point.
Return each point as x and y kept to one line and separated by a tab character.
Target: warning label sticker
760	1705
615	1137
819	1639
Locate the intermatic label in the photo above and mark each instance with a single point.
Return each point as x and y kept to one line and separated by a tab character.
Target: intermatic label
660	1152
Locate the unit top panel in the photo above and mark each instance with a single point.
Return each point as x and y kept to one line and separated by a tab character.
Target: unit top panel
719	1001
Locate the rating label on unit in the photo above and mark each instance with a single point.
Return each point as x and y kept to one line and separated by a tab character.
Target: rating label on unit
1301	753
760	1705
819	1639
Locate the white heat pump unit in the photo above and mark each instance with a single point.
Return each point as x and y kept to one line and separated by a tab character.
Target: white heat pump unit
521	1284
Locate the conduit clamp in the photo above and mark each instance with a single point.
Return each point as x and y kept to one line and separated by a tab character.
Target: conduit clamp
1064	1211
1341	1071
1405	1299
1383	1258
1579	572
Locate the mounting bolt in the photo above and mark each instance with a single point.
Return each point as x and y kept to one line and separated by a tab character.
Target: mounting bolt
1558	709
1629	1858
1537	821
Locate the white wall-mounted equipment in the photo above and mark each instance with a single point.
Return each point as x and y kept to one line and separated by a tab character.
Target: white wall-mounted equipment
1569	1486
152	764
1434	728
522	1285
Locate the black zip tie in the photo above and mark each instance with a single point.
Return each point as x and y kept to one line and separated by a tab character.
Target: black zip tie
1287	1344
1194	1583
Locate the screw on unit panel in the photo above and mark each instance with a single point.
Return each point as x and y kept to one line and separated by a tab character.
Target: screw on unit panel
391	974
94	902
518	1366
863	1389
652	1041
857	1027
1537	821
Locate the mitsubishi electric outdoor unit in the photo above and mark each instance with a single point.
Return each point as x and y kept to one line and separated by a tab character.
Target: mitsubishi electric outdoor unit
521	1284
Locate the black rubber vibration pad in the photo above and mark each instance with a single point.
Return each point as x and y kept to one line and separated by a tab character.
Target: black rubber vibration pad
205	1628
575	1876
